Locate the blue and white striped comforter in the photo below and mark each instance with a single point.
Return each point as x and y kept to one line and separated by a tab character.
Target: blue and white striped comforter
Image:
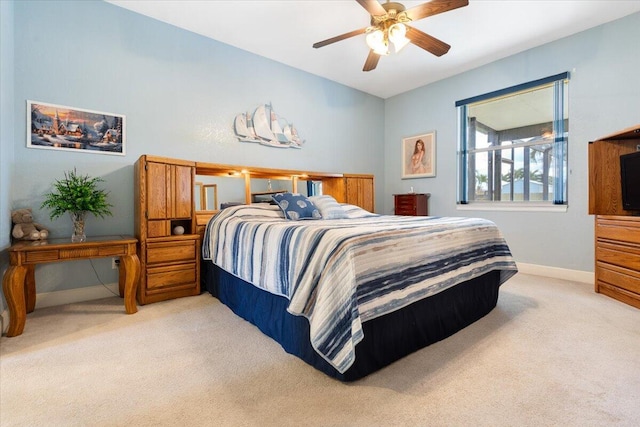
340	273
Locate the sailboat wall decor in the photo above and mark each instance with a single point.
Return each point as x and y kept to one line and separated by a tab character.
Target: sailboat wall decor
265	127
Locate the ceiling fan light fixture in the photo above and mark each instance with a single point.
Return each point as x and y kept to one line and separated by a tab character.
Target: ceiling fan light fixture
397	35
377	41
388	24
383	49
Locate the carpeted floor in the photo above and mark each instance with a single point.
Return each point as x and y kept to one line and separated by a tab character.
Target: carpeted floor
551	353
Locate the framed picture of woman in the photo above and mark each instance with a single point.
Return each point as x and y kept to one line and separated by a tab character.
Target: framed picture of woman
419	156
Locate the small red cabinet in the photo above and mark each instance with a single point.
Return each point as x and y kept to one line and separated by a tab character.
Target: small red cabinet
413	204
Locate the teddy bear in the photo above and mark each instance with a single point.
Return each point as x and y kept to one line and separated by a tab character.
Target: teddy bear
24	228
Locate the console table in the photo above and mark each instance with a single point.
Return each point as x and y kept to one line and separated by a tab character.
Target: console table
19	284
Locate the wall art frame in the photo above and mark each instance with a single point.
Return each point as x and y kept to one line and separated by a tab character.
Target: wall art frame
64	128
419	156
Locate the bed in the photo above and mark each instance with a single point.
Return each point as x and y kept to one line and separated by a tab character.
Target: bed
358	291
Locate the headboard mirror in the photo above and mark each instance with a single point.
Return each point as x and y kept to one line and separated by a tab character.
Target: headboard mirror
218	186
213	191
310	187
263	188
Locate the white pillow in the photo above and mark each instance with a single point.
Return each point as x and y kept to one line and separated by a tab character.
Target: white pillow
354	211
328	206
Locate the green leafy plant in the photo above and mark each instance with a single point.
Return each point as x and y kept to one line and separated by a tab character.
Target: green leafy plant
77	194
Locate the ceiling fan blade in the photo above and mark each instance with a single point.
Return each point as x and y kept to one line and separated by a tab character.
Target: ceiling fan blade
340	37
371	62
427	42
434	7
373	7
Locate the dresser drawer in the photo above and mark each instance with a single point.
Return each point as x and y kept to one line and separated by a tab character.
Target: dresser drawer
619	277
171	275
622	231
610	254
406	210
405	200
171	251
41	256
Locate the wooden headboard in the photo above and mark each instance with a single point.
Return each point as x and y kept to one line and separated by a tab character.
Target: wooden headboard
170	228
357	189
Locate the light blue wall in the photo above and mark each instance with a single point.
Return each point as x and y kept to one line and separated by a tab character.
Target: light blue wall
6	129
604	97
179	92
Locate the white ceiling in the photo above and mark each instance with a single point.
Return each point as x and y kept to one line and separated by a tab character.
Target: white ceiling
284	30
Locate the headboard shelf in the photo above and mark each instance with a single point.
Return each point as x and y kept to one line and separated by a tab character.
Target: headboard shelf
216	169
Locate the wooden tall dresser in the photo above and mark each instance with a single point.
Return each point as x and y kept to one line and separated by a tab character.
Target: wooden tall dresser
165	227
617	231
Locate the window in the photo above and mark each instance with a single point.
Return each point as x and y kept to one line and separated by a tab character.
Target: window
513	144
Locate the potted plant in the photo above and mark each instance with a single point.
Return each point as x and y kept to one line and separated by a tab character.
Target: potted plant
78	195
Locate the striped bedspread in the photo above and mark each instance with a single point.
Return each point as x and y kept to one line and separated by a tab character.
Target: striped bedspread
339	273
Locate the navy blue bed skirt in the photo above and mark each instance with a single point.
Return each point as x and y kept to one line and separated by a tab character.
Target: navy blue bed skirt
386	338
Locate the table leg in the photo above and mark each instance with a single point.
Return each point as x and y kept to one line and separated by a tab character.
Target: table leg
13	286
122	276
131	266
30	288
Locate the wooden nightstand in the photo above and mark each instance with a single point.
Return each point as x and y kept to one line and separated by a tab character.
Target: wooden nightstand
19	283
412	204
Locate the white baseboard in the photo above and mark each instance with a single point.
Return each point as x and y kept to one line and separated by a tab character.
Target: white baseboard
4	321
557	273
67	296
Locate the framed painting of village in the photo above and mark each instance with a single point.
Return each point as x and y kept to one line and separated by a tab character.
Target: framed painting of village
57	127
419	156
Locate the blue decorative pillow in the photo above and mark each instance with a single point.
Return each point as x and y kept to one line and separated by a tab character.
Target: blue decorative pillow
329	208
296	206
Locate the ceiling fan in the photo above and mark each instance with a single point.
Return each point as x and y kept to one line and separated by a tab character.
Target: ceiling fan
389	24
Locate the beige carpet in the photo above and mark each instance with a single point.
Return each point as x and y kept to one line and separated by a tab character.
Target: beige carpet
552	353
